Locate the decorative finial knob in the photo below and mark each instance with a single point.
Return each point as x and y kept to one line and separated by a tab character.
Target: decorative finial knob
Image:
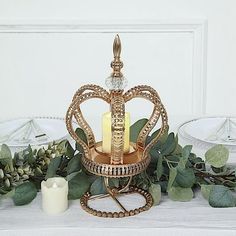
117	64
117	47
116	81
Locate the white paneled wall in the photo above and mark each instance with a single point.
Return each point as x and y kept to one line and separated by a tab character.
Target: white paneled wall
184	48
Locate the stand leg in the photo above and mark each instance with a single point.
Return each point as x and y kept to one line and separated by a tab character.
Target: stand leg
118	203
113	193
101	196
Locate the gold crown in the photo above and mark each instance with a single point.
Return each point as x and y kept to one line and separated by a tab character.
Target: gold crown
117	163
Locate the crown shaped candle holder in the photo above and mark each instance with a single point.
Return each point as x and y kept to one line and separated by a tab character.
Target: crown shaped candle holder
115	156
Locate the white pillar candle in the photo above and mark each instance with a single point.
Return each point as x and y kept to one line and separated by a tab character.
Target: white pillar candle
106	132
54	195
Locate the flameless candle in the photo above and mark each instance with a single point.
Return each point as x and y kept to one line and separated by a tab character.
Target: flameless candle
106	132
54	195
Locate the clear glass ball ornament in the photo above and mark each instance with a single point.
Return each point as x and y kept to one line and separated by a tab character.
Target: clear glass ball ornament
116	83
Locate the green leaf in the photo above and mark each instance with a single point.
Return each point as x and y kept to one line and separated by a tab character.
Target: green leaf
136	128
155	191
114	182
78	186
161	139
154	154
154	134
185	155
172	175
217	156
53	167
62	146
153	163
180	194
72	175
221	196
69	150
169	146
81	134
74	164
164	136
28	155
6	157
186	151
98	186
24	193
205	190
6	152
159	170
163	185
178	150
185	177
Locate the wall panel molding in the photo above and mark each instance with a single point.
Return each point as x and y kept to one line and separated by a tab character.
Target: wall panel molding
198	29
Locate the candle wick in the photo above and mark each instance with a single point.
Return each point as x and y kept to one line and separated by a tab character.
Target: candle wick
54	185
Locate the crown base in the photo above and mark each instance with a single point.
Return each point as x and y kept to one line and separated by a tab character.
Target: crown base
98	163
84	201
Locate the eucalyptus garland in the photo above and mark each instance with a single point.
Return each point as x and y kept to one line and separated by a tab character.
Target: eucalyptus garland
174	171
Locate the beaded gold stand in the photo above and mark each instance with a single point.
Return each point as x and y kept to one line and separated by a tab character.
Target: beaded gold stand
116	164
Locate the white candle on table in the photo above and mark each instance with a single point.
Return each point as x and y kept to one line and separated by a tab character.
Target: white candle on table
54	195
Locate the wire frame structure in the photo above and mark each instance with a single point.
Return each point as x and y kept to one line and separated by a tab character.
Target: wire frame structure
116	164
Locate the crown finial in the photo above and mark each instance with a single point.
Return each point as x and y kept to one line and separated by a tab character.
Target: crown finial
117	64
116	81
117	47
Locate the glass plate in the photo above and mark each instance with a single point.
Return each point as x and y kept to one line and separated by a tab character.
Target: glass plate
209	131
34	131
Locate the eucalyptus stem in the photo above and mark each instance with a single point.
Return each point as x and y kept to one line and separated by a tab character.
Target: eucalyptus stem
213	178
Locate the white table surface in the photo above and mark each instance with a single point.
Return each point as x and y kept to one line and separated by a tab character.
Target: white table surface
169	218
